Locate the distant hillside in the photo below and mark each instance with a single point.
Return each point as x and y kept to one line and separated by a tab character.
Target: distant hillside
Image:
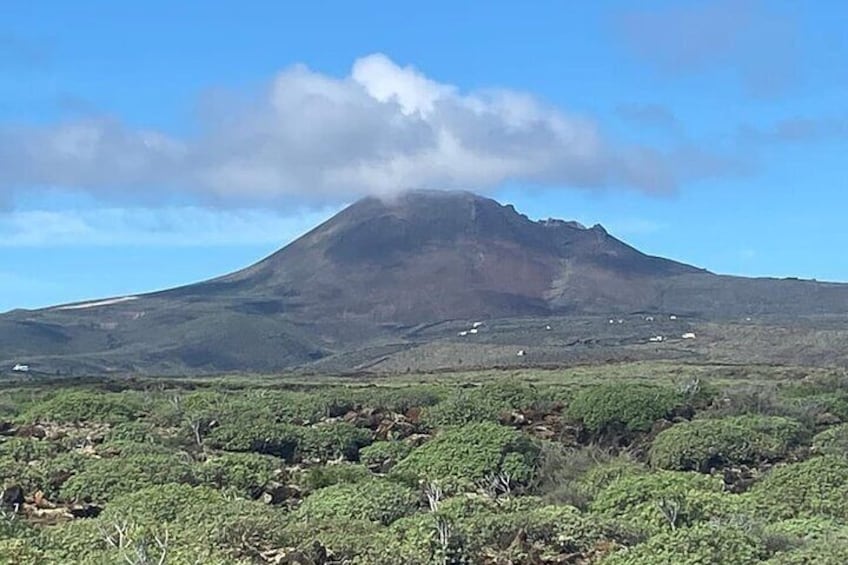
369	281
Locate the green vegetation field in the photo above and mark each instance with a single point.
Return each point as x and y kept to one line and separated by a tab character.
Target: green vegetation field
627	464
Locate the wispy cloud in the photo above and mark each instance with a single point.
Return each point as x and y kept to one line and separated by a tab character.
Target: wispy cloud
383	128
797	130
748	37
170	226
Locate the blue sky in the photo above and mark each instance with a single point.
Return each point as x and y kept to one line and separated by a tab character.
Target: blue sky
149	144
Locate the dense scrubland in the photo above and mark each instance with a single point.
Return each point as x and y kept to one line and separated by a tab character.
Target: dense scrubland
685	466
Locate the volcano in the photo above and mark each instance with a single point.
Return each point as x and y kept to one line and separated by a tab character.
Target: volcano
376	279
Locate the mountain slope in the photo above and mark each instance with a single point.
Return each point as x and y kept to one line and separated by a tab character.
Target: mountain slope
363	284
429	256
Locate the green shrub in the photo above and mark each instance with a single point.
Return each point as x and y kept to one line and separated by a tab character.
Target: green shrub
461	456
807	540
701	445
29	477
348	541
481	530
26	449
103	479
460	408
618	408
86	406
383	455
832	441
333	440
244	473
57	470
816	487
664	500
574	475
605	473
486	403
269	438
550	530
202	526
322	476
135	431
395	399
375	500
696	545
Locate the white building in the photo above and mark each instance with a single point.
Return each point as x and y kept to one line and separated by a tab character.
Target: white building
19	368
688	336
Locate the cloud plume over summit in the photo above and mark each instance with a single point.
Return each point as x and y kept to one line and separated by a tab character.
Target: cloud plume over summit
383	128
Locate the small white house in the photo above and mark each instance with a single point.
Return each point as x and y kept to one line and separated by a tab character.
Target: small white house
649	318
20	368
476	324
688	335
521	353
472	331
656	339
463	333
547	328
672	317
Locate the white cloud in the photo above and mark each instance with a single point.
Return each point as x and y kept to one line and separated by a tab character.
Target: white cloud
309	136
170	226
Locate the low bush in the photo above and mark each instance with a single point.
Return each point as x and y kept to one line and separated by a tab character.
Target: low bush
622	408
832	441
486	403
242	473
135	431
459	457
200	526
86	406
333	441
702	445
695	545
664	500
573	475
322	476
103	479
269	438
816	487
26	450
375	500
383	455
